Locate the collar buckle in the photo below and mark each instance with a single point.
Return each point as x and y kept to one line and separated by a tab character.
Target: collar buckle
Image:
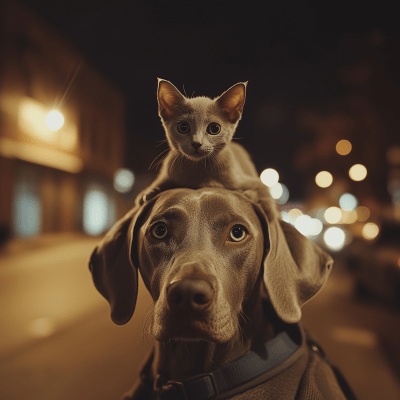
214	384
164	389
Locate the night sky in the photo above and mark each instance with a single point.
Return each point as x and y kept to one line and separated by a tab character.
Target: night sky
289	51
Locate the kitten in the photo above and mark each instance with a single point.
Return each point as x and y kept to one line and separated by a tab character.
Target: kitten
199	132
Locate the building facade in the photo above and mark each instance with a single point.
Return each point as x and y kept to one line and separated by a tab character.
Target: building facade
61	133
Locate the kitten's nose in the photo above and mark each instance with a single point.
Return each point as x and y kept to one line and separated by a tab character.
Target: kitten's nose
196	145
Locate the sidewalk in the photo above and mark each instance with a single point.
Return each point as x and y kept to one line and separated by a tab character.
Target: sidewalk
19	245
46	286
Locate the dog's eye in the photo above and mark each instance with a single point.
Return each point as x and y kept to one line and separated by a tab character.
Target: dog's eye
183	127
159	231
237	233
214	128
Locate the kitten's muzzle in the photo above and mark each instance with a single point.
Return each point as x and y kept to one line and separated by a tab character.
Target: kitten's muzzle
196	145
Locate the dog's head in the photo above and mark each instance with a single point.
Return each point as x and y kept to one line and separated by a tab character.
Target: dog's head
200	253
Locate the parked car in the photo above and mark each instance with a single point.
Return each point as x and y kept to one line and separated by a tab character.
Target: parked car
376	264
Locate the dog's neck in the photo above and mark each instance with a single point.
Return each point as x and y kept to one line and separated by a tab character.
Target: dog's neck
181	360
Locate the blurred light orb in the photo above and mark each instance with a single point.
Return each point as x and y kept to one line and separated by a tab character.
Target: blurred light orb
348	217
303	224
317	227
358	172
348	202
95	212
370	231
333	215
276	191
41	327
343	147
54	120
269	177
334	238
324	179
363	213
285	216
123	180
284	196
293	214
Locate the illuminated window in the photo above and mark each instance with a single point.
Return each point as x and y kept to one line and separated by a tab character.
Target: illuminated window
27	210
95	212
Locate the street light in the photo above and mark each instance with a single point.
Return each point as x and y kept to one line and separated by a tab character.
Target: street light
54	120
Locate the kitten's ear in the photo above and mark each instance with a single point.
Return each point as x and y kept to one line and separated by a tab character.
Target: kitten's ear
232	101
169	99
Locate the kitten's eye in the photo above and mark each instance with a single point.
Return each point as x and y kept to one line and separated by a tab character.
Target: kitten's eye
214	128
159	231
237	233
183	127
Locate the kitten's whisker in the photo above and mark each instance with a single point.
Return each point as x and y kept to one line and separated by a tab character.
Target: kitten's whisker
151	165
184	91
237	138
160	142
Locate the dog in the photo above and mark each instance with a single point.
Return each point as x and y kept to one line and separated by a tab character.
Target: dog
228	285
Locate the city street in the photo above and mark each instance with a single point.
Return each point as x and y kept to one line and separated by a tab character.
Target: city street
58	341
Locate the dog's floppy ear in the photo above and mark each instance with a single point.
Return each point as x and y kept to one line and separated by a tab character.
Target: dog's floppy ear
113	272
295	268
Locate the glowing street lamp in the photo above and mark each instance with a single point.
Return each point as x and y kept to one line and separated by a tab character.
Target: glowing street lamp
54	120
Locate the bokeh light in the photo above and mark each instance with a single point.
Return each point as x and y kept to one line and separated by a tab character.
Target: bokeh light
124	180
293	214
358	172
334	238
276	191
370	231
269	177
348	202
41	327
363	213
343	147
317	227
324	179
333	215
54	120
348	217
285	216
284	196
303	224
95	212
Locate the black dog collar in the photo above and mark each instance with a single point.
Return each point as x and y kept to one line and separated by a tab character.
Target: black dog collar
242	374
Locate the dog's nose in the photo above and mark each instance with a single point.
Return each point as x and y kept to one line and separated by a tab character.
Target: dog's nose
194	294
196	145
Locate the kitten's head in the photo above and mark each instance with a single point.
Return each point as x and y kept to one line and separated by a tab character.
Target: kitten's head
199	127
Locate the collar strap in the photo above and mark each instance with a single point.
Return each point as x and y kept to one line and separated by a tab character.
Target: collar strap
247	371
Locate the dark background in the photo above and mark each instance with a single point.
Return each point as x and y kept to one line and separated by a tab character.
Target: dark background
291	52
